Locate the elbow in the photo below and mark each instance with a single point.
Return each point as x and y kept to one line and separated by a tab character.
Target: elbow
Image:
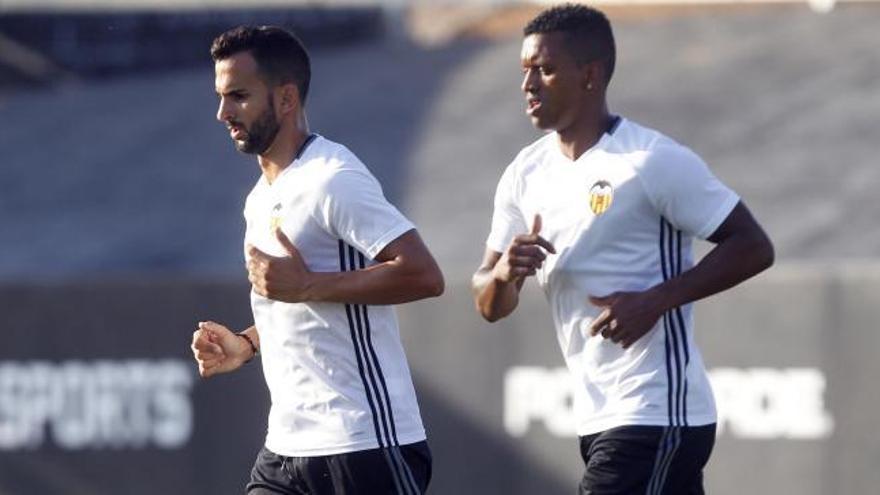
488	315
770	256
484	301
767	254
758	254
437	285
487	310
431	283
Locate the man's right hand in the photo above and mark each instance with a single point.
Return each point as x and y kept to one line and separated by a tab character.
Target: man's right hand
524	256
494	294
218	350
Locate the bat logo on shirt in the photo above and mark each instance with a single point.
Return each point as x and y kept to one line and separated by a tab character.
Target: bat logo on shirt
275	219
601	194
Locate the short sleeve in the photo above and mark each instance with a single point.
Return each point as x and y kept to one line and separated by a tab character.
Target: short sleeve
507	217
685	191
354	209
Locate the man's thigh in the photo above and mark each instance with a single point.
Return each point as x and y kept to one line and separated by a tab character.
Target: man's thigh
646	459
271	475
404	470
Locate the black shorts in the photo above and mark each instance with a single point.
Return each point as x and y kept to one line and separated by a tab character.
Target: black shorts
652	460
404	470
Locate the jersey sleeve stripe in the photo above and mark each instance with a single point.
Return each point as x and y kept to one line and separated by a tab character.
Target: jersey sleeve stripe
357	351
682	329
359	330
395	444
674	328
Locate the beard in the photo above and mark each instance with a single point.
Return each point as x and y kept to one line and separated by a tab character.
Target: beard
261	134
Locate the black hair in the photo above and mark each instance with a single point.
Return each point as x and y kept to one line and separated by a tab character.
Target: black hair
280	55
587	33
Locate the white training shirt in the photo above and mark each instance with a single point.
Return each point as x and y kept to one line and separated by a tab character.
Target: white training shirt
622	217
336	373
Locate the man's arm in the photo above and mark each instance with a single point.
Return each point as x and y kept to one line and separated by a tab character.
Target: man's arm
406	271
495	297
742	251
498	280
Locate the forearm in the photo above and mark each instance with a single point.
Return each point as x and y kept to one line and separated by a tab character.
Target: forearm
389	282
726	265
494	299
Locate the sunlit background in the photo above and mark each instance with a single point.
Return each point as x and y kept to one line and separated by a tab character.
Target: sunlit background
121	227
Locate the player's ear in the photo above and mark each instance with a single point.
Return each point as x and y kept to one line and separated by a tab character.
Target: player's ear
593	74
288	98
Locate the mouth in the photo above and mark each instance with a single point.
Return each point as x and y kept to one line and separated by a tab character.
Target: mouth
533	103
236	132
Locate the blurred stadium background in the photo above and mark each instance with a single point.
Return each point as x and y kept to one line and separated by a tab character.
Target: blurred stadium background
120	227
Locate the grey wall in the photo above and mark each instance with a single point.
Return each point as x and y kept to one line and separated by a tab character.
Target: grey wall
97	389
792	355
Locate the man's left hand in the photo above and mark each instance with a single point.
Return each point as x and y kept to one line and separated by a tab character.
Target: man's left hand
626	316
280	278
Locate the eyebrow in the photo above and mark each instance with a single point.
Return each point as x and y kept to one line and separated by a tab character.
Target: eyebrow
234	91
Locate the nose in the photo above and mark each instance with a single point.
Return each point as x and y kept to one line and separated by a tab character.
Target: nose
224	113
529	81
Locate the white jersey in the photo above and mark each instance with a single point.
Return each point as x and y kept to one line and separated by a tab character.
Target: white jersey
336	373
622	217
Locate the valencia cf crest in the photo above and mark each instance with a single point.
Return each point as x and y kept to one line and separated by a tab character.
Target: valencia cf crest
601	194
275	219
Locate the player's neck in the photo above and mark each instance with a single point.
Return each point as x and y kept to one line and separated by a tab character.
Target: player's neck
584	133
283	150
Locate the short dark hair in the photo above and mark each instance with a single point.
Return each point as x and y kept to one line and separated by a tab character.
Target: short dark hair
587	32
280	55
